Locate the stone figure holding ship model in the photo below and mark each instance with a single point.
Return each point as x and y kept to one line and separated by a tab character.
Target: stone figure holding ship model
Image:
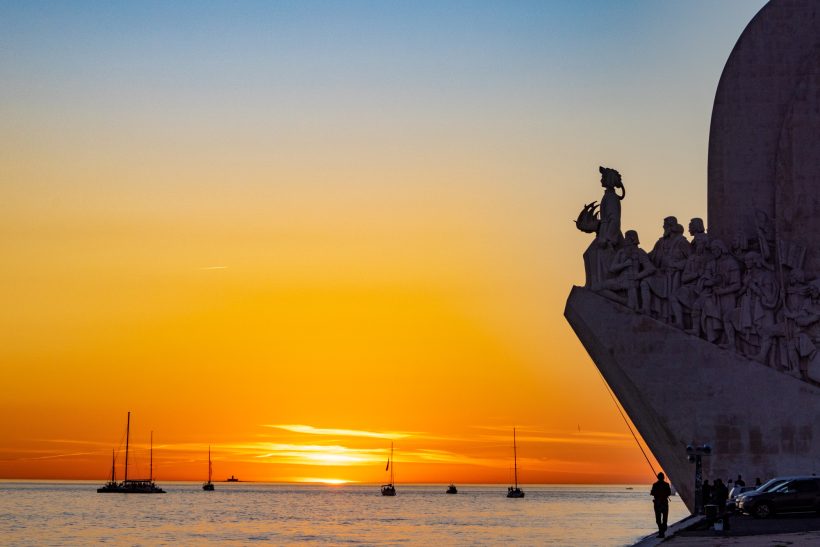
605	222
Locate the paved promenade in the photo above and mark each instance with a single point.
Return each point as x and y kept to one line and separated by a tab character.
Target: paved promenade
792	530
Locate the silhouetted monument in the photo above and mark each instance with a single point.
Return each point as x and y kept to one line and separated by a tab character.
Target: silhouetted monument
713	339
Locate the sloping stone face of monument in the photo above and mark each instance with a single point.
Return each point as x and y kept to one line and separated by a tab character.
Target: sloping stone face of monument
717	340
680	390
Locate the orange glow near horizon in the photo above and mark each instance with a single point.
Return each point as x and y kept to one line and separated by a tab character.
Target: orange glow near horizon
485	456
359	233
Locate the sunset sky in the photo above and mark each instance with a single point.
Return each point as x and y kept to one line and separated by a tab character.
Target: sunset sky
298	231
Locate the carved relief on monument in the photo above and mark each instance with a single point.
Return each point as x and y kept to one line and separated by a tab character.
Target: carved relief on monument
753	298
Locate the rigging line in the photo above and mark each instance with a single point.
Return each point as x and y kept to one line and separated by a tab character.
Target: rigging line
618	406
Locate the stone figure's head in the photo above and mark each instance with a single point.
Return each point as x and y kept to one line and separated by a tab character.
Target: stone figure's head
718	248
631	238
696	226
668	224
753	260
611	178
677	230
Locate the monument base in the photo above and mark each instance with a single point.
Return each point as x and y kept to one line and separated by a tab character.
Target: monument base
678	390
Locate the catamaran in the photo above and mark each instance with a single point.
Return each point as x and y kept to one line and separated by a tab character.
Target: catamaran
389	489
209	486
515	492
131	486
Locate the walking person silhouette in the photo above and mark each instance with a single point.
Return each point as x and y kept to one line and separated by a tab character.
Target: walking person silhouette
661	492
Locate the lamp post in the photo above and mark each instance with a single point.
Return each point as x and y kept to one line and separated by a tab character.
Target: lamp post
695	454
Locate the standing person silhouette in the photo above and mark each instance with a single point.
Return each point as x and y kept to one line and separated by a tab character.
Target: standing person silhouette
661	492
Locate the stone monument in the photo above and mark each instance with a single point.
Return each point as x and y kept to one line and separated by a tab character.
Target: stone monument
714	339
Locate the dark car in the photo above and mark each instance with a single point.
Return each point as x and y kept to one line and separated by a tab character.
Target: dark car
734	495
791	496
771	484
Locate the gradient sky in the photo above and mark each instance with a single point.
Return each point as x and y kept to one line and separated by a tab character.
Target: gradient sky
296	231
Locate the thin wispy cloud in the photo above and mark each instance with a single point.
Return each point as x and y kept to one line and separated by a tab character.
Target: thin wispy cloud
444	456
323	455
535	435
72	441
351	448
310	430
306	454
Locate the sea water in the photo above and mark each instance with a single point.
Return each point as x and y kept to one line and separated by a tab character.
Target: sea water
73	513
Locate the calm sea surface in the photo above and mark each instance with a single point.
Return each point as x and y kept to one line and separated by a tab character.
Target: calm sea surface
72	513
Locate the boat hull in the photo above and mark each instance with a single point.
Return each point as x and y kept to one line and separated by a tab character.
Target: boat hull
130	490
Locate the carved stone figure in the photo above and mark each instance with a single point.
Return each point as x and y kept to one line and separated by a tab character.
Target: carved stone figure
630	265
721	282
601	251
691	289
798	313
676	261
809	323
658	292
757	300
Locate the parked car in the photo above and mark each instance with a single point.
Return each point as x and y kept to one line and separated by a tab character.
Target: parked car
793	495
737	491
771	484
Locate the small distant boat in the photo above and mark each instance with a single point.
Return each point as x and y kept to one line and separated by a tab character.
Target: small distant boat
389	489
209	486
452	489
131	486
515	492
231	479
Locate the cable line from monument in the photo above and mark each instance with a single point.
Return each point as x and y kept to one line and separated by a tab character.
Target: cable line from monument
618	406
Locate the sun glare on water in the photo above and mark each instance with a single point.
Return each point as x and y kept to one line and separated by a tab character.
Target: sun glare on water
315	480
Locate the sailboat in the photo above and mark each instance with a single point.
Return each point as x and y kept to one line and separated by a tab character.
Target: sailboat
132	486
389	489
515	492
452	489
209	486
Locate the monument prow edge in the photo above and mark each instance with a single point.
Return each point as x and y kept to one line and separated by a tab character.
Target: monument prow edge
679	389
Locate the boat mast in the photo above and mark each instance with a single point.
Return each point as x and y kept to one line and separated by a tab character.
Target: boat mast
392	462
127	434
151	459
113	462
515	460
209	464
